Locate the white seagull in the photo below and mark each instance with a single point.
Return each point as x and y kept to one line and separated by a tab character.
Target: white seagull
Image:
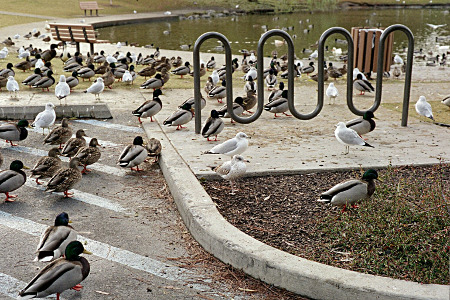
434	27
236	145
12	86
347	137
62	89
46	118
423	108
232	170
332	92
96	88
127	77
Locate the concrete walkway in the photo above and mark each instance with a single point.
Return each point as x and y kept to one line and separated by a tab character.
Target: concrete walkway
281	145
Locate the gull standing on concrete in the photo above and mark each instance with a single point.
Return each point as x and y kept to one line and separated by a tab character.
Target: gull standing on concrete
347	137
96	88
12	86
232	170
332	92
423	108
46	118
236	145
62	89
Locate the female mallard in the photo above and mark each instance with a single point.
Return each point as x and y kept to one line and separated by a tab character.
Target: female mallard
59	135
33	78
74	144
49	54
89	155
65	178
148	71
62	274
351	191
14	132
102	69
213	126
133	155
183	70
362	85
279	105
73	80
180	117
24	65
154	149
8	71
46	118
45	82
87	72
362	125
47	166
55	239
165	75
219	92
12	179
149	108
108	78
250	101
153	83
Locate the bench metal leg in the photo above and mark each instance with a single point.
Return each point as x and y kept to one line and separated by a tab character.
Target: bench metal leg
96	12
78	47
85	11
92	48
91	12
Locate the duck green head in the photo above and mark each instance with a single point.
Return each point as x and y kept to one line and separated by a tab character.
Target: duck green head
74	249
370	174
138	140
62	219
368	115
23	123
16	165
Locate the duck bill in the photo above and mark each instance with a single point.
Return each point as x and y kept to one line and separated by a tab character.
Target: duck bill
25	167
87	252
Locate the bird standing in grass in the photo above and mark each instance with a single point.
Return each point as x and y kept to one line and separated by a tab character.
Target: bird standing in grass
423	108
351	191
348	137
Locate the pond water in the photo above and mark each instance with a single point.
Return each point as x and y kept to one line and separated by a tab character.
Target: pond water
244	31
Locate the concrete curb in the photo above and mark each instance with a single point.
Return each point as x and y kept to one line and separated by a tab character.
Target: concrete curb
230	245
92	111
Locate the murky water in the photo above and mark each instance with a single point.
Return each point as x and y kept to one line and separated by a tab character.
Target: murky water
244	31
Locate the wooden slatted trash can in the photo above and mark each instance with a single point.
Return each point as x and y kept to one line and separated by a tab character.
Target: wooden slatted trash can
366	42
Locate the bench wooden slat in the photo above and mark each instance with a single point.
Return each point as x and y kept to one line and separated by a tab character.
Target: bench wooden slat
75	33
91	5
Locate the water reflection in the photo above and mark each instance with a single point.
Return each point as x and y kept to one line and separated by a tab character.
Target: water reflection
305	28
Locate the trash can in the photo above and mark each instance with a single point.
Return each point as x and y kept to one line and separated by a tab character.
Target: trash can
366	42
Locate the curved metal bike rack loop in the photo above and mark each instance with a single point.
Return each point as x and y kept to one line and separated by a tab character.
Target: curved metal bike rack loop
229	80
320	62
409	62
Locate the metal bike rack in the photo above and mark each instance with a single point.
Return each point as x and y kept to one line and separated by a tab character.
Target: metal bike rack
321	51
409	62
229	79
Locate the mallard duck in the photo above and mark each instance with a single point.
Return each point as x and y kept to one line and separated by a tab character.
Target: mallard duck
86	72
176	62
73	81
211	64
232	170
238	108
332	92
362	85
133	155
209	85
279	105
12	179
423	108
343	70
89	155
47	166
348	137
33	78
180	117
231	147
100	58
65	178
148	71
46	118
362	125
12	86
74	144
165	75
250	101
315	77
250	86
275	94
351	191
165	64
49	54
154	148
183	70
396	72
62	89
3	82
62	274
309	69
14	132
102	69
55	239
202	71
96	88
446	101
153	83
191	101
150	107
271	80
117	71
108	78
45	82
23	65
219	92
8	71
213	126
59	135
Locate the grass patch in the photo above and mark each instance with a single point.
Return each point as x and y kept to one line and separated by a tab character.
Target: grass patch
8	20
440	111
402	232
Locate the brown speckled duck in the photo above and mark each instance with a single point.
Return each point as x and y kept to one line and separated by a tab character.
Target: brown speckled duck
47	166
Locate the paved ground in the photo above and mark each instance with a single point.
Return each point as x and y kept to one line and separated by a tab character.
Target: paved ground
140	203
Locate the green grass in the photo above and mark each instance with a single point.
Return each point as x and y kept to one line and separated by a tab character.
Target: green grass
441	112
402	232
8	20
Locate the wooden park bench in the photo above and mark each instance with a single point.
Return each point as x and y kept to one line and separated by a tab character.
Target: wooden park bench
91	5
76	33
